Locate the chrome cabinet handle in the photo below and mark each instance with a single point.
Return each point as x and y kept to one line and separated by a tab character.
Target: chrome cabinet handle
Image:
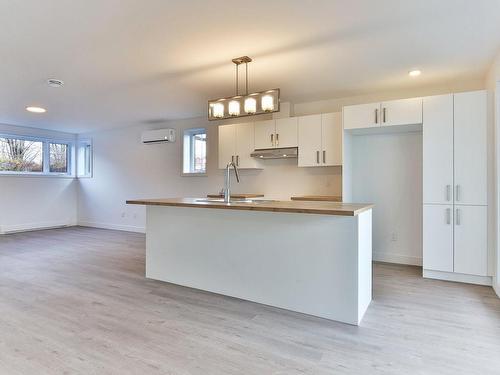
376	115
238	160
232	159
277	139
317	157
448	216
324	156
458	220
448	192
272	139
457	193
384	114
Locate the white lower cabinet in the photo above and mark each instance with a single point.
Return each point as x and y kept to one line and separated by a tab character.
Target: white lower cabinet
455	239
471	255
438	237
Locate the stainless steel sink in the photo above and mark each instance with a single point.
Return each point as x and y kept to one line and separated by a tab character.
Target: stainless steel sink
234	200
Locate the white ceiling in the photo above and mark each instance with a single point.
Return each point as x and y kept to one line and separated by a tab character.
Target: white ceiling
132	61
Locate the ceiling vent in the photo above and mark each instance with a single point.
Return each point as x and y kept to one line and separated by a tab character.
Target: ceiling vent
52	82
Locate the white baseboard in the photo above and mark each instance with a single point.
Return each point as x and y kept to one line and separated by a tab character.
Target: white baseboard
397	258
496	286
458	277
6	229
126	228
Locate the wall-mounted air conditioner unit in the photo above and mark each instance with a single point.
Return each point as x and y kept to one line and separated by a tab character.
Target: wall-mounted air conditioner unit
158	136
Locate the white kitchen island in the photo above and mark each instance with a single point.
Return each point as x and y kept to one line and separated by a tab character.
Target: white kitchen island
310	257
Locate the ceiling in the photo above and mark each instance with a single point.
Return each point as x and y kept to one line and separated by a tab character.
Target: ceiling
126	62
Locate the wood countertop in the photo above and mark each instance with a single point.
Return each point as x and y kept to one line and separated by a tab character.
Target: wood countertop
318	198
320	208
237	196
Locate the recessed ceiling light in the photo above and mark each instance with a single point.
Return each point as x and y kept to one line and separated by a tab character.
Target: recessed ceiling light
36	109
52	82
414	73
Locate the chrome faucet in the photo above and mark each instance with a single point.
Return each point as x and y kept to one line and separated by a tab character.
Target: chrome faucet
227	181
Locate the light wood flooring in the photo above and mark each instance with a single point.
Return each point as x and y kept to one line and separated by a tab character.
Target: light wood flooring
75	301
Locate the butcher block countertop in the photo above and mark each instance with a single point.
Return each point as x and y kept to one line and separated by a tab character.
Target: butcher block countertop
237	196
318	198
303	207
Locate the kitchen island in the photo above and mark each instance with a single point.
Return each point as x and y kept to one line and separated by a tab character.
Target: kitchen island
310	257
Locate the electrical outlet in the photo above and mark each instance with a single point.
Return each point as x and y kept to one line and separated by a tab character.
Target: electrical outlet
394	236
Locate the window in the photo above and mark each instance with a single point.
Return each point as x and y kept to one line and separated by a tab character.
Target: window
84	167
58	158
20	155
35	156
195	152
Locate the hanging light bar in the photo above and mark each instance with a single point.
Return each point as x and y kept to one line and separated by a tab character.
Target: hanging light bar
244	105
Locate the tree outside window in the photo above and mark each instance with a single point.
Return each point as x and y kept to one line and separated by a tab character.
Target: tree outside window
19	155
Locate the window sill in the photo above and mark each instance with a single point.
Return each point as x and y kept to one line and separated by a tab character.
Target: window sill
194	174
35	175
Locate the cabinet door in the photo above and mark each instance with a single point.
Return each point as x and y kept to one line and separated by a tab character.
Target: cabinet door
286	132
264	134
470	148
245	145
361	116
471	250
438	149
331	138
438	238
401	112
309	141
227	144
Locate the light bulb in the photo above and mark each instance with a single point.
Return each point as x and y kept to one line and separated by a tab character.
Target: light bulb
218	110
267	103
250	106
234	108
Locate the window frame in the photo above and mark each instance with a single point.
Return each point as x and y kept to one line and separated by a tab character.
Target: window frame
191	132
84	142
46	141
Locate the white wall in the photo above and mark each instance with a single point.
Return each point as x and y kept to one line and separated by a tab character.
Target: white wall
125	169
28	202
387	171
493	87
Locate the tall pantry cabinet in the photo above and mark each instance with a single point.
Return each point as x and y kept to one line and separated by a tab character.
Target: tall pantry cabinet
455	186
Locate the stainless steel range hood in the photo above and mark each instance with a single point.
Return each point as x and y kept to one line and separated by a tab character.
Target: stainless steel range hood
276	153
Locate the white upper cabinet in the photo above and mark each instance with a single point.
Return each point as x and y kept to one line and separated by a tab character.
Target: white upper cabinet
331	139
320	140
227	144
470	148
236	143
245	144
309	141
286	132
390	113
264	134
361	116
438	149
401	112
278	133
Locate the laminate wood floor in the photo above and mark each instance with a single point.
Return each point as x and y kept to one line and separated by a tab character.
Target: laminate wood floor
75	301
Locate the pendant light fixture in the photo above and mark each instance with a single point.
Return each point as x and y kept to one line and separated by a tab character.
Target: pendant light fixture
244	105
